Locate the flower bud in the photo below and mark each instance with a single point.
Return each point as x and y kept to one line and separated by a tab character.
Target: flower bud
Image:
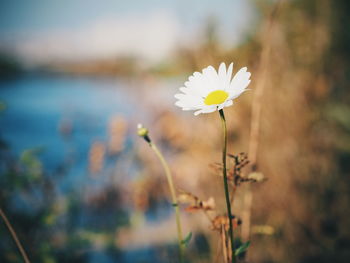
143	132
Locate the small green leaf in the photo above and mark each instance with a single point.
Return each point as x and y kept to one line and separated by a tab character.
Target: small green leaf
242	248
187	239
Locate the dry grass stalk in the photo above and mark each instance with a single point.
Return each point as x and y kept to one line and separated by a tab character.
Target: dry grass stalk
256	117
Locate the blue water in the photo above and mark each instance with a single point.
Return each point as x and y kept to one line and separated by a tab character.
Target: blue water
36	105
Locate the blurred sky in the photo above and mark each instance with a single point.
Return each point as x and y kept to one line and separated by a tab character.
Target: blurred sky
44	30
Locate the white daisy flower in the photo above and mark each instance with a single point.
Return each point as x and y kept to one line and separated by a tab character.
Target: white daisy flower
210	90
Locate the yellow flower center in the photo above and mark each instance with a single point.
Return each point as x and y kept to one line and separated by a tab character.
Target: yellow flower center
216	97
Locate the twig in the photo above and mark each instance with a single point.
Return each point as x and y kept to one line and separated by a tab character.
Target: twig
224	244
14	236
217	250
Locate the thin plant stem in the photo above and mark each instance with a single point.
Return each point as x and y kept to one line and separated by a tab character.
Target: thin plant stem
227	194
256	116
14	236
224	246
218	244
173	197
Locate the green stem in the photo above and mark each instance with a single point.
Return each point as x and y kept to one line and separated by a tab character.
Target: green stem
174	198
224	173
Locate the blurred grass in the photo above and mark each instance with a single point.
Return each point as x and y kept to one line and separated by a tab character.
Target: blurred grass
304	130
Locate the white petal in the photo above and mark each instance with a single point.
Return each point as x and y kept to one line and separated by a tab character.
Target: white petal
197	84
191	92
222	71
239	83
210	79
209	109
189	108
186	104
188	101
206	109
228	103
181	96
197	112
229	75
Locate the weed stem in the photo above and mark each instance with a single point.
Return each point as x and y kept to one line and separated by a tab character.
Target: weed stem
227	193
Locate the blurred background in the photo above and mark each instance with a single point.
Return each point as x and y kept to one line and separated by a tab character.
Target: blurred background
76	77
